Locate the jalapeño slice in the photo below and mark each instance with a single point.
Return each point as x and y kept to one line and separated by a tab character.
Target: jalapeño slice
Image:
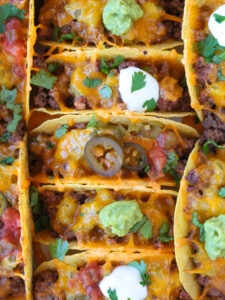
134	157
104	155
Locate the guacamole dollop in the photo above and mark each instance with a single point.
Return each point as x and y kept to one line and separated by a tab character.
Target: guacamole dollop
119	217
119	15
215	237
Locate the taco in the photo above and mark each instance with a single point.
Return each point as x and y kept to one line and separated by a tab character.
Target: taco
127	79
92	149
199	223
109	23
203	55
90	217
15	235
89	275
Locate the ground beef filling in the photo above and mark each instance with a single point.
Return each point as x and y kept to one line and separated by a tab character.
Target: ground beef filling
12	286
43	284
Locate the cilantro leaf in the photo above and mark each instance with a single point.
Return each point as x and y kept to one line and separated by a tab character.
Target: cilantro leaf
58	249
53	67
206	148
146	169
105	92
92	122
142	268
7	161
221	77
219	58
106	68
43	79
219	19
221	192
164	233
34	200
199	225
4	137
56	33
17	110
144	227
8	97
8	11
138	81
150	105
92	83
61	131
171	164
41	222
112	294
65	37
208	48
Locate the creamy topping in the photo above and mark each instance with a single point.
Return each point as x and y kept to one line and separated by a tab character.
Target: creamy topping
216	24
136	87
125	281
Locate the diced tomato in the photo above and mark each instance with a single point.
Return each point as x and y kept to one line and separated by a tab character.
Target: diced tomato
90	274
12	40
167	140
157	160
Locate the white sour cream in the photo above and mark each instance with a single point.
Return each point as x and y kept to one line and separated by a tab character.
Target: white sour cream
218	29
126	281
135	100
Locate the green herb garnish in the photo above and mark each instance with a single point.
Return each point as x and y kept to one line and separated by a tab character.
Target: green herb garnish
58	249
92	122
106	68
221	192
92	83
7	161
43	79
219	19
150	105
206	149
8	11
142	268
164	233
171	164
138	81
112	294
199	225
208	48
53	67
65	37
144	227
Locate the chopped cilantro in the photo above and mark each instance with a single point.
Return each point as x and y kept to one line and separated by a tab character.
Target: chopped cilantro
17	110
43	79
138	81
206	148
146	169
150	105
65	37
171	164
8	11
34	200
105	92
92	83
208	48
49	145
219	58
106	68
53	67
112	294
142	268
56	33
144	227
184	82
4	137
92	122
164	233
61	131
58	249
219	19
41	222
221	77
199	225
221	192
7	161
8	97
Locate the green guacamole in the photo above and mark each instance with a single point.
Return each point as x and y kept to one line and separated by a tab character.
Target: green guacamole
119	15
119	217
215	237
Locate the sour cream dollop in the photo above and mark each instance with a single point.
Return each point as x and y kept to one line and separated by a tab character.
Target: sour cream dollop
125	280
136	99
218	28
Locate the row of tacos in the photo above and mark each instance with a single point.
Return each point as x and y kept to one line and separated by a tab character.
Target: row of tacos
91	185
